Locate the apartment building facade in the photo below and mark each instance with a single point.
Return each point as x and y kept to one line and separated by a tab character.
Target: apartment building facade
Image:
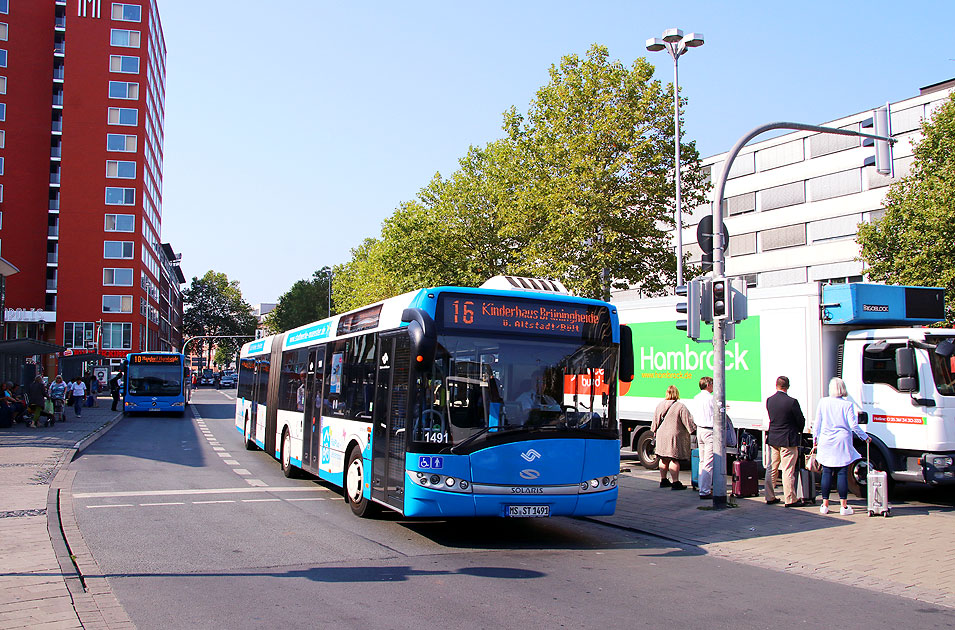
81	141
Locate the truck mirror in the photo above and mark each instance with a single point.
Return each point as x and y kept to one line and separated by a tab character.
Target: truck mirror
905	365
863	417
907	384
626	354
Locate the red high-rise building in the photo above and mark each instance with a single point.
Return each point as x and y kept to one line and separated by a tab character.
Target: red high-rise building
81	136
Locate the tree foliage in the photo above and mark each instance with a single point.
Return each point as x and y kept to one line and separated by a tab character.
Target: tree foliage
307	301
913	242
580	189
214	306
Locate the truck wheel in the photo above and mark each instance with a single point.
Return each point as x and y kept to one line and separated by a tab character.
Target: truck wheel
644	449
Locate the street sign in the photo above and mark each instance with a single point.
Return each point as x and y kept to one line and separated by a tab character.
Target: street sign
704	238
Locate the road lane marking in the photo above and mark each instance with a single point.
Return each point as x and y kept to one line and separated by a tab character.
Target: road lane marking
308	499
241	471
194	491
166	503
218	448
259	500
224	455
113	505
231	462
207	502
258	483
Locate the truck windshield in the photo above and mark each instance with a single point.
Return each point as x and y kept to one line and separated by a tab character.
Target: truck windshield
942	369
155	380
481	385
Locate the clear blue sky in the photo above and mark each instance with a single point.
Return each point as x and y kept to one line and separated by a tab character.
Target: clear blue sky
294	127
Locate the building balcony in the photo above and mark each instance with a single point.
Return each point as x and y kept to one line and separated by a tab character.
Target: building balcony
54	179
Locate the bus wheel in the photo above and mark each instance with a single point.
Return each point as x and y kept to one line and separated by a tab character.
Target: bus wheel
355	483
287	468
648	458
249	442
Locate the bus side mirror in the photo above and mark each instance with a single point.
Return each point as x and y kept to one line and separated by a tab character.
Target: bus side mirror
626	354
424	337
906	370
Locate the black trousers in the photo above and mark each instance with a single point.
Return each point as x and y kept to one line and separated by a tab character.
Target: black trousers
115	400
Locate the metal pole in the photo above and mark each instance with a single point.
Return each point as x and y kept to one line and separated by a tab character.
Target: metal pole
719	341
675	52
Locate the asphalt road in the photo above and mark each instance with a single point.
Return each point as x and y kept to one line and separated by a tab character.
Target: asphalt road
192	531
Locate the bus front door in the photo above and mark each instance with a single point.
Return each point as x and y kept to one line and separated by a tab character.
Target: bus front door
389	437
253	405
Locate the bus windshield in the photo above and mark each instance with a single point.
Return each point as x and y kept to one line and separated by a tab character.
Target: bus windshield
155	379
483	385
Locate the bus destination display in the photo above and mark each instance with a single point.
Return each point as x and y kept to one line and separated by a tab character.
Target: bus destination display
515	315
155	358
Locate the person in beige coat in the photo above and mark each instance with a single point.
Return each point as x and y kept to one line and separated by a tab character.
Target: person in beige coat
672	426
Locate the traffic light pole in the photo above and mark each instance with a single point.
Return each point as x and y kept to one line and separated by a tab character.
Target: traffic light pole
719	325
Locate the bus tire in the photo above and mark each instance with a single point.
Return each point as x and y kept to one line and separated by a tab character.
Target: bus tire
354	485
644	448
249	442
288	469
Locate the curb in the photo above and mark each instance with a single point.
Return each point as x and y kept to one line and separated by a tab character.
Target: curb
93	601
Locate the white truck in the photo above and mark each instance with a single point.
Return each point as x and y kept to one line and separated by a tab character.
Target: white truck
898	372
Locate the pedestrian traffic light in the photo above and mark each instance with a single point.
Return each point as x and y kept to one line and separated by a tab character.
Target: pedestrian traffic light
691	308
719	298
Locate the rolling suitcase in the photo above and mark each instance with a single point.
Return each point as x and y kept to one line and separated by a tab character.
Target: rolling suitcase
695	468
806	486
877	489
745	478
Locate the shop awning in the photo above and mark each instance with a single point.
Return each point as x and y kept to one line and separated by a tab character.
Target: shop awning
28	347
7	268
89	356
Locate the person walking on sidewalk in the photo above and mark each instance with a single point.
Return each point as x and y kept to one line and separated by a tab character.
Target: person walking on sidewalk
36	394
703	406
79	395
114	388
58	396
836	422
786	422
672	425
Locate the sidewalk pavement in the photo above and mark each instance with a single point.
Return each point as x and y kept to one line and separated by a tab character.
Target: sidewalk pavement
911	554
39	584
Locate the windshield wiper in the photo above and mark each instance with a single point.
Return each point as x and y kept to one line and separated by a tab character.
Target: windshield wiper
480	433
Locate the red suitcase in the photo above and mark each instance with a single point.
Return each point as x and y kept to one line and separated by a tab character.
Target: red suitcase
745	478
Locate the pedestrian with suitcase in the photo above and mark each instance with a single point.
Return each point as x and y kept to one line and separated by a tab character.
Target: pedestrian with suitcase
836	422
786	423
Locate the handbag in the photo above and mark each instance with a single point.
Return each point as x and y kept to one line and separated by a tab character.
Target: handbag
48	406
813	465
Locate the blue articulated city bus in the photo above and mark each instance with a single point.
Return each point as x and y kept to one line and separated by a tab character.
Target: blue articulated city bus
449	401
156	381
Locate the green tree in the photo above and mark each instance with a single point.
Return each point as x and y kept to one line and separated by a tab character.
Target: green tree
307	301
913	242
214	306
368	277
596	162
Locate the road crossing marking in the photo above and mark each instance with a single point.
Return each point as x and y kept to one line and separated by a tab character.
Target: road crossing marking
113	505
308	499
241	471
208	502
231	462
257	483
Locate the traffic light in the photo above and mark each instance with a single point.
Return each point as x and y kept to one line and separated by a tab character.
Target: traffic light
691	308
882	160
720	300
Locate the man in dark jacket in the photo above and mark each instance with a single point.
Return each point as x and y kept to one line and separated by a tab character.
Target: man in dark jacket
786	423
36	392
114	388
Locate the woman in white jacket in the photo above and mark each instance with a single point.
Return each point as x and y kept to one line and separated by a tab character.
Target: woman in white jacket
832	436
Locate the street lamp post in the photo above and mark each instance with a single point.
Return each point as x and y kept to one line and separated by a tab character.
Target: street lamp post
675	43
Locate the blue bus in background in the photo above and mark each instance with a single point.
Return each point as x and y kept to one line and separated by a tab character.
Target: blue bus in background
448	401
155	382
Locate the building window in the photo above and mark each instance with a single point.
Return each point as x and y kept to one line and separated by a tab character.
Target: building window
124	38
1	166
3	111
122	89
3	58
120	223
4	6
117	277
4	31
3	85
117	336
122	63
120	169
127	12
117	304
121	142
78	334
118	249
120	196
123	116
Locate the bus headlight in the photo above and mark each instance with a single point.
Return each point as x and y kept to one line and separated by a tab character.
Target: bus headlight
606	481
584	485
449	482
594	483
464	484
435	479
942	461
